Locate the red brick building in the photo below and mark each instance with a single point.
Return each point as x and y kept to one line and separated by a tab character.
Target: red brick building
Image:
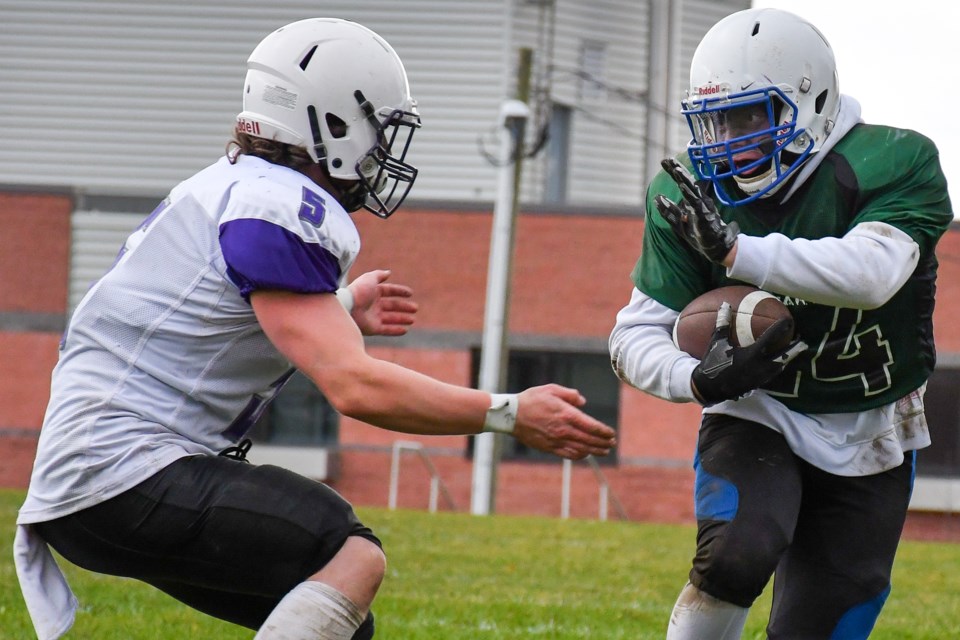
571	276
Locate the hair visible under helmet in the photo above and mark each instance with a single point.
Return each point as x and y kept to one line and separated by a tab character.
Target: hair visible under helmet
780	66
339	91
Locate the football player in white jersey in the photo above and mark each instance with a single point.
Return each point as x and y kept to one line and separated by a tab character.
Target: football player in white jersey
235	281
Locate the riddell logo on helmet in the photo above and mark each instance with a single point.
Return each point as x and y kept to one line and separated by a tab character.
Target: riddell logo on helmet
709	90
248	126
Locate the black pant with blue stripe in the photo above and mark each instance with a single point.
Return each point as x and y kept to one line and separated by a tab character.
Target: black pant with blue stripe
829	540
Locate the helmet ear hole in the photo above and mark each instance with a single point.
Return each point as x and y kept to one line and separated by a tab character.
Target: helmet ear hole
821	100
336	125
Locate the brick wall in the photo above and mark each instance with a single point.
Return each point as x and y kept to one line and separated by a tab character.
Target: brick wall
34	261
571	273
571	276
34	252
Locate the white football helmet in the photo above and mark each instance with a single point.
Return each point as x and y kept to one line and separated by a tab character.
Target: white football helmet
763	96
339	90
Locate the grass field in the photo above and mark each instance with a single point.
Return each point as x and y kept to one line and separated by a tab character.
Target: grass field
460	577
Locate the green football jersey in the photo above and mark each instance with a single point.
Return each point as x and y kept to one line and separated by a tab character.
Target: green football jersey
857	359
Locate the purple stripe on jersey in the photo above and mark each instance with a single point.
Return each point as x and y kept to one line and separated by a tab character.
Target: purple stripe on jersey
263	255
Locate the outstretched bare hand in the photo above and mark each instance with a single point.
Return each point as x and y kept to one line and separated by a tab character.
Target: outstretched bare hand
381	308
549	419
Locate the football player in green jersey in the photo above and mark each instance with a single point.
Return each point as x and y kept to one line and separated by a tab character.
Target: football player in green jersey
805	458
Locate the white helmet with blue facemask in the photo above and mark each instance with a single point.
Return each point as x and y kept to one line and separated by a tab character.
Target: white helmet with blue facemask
763	97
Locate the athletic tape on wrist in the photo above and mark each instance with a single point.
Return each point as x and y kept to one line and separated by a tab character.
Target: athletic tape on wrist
502	414
345	297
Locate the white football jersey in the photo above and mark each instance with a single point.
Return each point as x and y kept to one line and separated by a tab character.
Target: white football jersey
164	357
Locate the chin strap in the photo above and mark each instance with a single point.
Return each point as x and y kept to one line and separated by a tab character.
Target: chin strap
318	147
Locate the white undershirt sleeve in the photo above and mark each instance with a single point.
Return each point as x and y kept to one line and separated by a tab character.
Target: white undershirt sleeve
643	354
861	270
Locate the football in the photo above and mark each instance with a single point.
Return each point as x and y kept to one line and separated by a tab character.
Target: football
754	311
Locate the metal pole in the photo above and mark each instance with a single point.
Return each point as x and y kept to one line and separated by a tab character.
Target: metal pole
513	116
394	475
565	490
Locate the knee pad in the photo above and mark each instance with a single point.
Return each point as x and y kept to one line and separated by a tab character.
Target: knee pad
715	498
365	630
733	567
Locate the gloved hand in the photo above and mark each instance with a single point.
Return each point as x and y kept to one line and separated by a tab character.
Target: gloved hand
727	372
695	217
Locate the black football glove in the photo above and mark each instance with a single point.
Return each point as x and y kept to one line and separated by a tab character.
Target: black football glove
727	372
695	217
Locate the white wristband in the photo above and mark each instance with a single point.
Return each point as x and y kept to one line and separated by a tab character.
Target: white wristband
502	414
345	296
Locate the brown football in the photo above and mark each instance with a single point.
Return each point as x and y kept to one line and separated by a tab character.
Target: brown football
754	311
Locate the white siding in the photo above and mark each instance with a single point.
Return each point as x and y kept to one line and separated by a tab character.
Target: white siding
606	152
128	97
97	238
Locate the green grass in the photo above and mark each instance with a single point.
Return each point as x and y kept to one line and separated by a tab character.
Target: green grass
460	577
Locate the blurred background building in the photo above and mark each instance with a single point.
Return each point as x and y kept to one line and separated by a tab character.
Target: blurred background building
106	104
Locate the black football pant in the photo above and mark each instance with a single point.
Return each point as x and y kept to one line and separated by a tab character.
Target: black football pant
225	537
830	540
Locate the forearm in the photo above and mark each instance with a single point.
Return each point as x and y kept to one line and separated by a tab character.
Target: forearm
392	397
643	353
863	269
321	340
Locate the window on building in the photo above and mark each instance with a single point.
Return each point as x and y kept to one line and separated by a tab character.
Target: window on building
942	403
590	373
299	415
558	154
593	56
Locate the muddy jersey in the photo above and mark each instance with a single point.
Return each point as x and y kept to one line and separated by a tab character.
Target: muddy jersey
857	359
164	356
